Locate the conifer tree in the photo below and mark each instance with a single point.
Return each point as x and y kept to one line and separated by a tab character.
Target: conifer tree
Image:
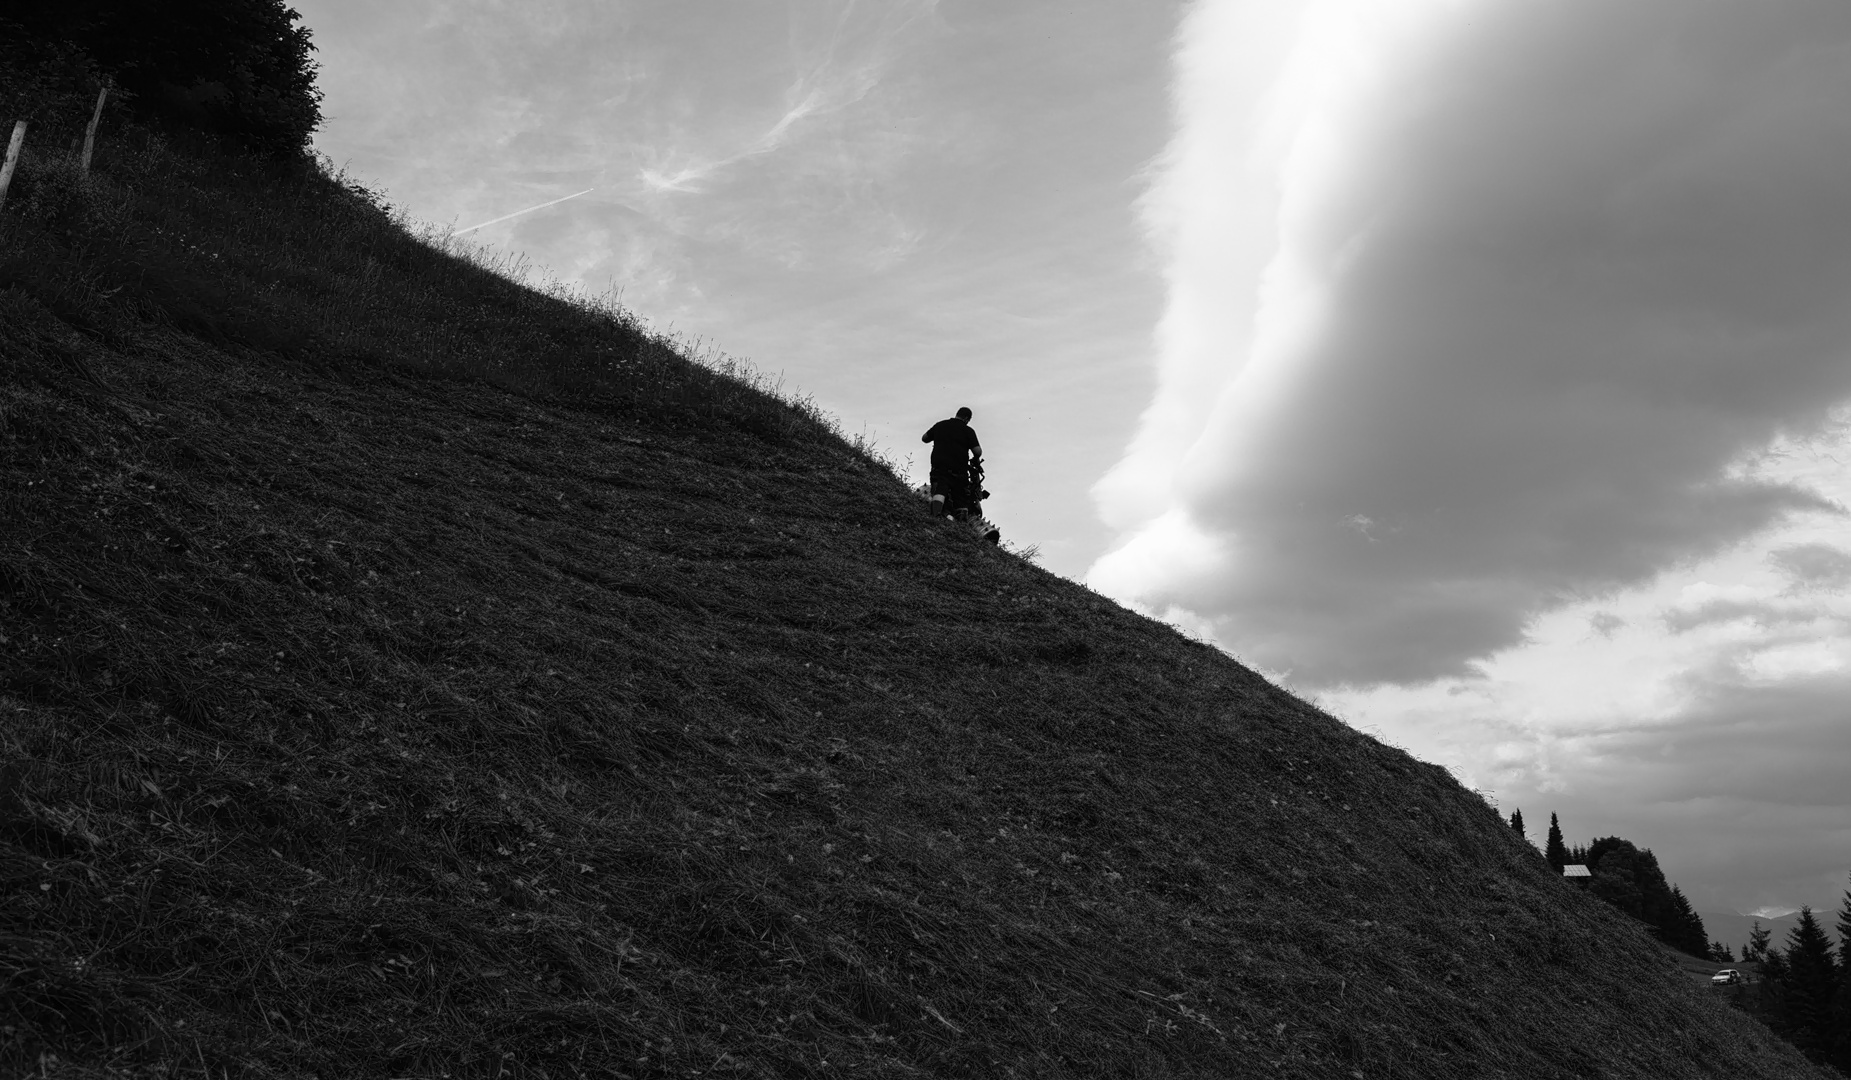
1554	850
1811	985
1684	930
1844	939
1516	822
1841	1004
1774	967
1757	942
1720	953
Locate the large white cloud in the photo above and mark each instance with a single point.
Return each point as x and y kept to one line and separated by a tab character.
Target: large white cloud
1474	317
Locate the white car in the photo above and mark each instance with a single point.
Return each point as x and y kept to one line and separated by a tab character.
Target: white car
1726	977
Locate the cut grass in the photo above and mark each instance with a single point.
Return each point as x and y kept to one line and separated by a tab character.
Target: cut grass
408	674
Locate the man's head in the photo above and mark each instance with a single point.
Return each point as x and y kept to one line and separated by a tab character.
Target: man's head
964	414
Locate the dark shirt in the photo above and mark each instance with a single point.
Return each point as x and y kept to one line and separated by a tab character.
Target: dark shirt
951	439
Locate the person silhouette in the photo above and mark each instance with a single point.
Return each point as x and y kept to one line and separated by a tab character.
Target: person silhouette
954	448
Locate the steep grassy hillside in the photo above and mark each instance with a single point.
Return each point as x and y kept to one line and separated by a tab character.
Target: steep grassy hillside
363	717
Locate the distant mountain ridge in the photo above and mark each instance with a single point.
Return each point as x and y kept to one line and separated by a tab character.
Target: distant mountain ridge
1733	930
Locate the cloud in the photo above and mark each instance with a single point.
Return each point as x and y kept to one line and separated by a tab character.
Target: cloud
1703	717
1743	796
848	67
1762	613
1474	317
777	128
1814	566
1605	623
1741	738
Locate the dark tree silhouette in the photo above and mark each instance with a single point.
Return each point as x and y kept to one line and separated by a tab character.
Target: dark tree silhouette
1629	878
1810	985
1685	931
1616	869
1553	850
238	68
1844	937
1840	1051
1774	967
1756	949
1516	822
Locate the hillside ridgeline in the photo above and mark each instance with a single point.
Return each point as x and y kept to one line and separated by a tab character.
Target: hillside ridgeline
410	674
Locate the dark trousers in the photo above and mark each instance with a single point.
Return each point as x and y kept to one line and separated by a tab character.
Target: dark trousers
953	485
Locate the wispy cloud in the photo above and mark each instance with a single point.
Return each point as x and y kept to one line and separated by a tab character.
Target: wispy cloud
832	76
893	203
688	177
518	213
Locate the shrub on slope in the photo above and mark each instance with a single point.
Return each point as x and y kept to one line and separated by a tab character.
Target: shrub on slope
362	723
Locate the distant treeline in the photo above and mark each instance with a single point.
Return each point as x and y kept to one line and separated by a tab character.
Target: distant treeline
238	69
1804	989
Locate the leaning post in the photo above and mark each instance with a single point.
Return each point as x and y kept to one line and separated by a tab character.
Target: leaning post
90	132
12	158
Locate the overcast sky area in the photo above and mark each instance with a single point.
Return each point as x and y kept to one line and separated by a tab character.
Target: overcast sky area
1477	367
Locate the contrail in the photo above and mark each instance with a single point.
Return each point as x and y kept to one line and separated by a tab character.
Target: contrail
518	213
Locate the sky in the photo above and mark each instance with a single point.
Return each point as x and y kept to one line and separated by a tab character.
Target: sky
903	207
1476	368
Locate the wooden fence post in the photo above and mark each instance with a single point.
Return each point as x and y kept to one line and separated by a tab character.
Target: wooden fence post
12	159
90	132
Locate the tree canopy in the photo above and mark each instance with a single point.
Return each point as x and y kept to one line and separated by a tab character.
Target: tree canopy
237	68
1628	877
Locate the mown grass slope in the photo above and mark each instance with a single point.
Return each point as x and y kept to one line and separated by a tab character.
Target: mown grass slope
408	674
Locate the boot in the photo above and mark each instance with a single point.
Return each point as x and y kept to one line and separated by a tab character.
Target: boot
938	507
